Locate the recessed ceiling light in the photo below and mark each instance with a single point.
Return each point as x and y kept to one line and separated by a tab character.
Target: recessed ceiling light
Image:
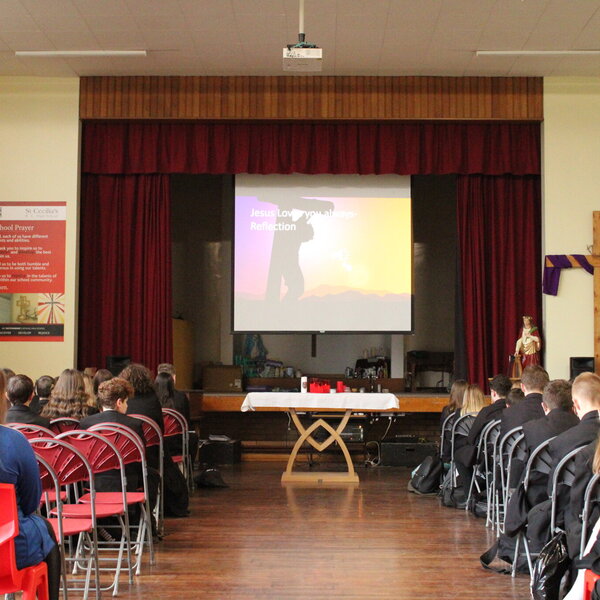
78	53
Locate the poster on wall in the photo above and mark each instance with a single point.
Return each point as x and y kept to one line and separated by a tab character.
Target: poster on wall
32	271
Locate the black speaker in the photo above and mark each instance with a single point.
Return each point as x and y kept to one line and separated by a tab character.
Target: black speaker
115	364
581	364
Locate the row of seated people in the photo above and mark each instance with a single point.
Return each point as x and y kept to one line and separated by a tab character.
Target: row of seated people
68	399
18	466
566	418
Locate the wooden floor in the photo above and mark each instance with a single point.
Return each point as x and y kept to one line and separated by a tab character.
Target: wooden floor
257	539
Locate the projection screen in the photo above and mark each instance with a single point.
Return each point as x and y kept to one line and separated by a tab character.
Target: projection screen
322	253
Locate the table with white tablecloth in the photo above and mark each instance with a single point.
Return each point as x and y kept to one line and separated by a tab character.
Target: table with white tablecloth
294	402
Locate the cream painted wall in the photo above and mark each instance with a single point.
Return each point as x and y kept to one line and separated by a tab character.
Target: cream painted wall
571	192
39	160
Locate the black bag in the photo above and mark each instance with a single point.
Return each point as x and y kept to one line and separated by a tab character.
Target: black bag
504	549
176	497
552	563
478	505
453	497
427	476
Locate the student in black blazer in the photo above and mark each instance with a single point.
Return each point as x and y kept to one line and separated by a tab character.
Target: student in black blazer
557	404
113	396
19	392
533	381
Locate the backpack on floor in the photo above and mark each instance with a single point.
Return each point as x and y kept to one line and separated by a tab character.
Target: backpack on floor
427	476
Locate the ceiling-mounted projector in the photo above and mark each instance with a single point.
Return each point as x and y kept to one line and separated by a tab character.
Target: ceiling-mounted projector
296	58
302	56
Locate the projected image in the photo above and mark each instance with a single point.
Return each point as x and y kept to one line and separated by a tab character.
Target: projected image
322	263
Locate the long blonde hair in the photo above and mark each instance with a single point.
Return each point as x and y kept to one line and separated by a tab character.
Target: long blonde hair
473	400
68	397
457	392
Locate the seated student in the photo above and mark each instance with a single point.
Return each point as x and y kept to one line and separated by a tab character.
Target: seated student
68	397
42	390
583	471
586	399
533	381
457	391
18	466
113	396
557	404
500	386
179	401
473	402
19	393
145	402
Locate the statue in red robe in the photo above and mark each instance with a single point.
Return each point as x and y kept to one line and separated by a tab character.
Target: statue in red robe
529	344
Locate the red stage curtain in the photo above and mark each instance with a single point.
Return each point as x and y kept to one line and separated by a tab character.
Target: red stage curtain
125	272
499	236
363	148
125	303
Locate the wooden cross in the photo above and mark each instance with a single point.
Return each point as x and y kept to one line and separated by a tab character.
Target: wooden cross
594	260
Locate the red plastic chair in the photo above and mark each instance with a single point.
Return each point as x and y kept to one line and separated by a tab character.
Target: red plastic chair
63	424
132	450
32	581
103	456
63	461
31	431
588	583
153	436
175	424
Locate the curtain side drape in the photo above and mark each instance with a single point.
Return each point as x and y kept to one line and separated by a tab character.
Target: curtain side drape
125	270
499	236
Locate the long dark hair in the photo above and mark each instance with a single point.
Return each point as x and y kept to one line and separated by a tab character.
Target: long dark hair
165	389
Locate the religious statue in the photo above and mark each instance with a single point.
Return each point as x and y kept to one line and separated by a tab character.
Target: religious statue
529	344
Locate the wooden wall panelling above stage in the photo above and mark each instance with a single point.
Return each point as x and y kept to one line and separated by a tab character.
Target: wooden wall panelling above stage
312	98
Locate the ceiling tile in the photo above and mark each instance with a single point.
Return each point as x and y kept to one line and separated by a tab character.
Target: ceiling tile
29	40
109	23
102	8
169	40
121	40
70	40
152	7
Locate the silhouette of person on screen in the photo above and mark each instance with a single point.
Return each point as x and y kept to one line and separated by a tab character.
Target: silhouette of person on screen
290	258
285	253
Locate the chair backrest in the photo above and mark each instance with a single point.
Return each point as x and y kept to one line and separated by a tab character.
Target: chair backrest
9	529
446	432
175	423
540	461
591	493
70	465
153	436
31	431
564	474
128	442
101	454
62	424
461	428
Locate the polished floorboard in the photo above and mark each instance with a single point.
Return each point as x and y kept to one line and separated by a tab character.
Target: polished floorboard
257	539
